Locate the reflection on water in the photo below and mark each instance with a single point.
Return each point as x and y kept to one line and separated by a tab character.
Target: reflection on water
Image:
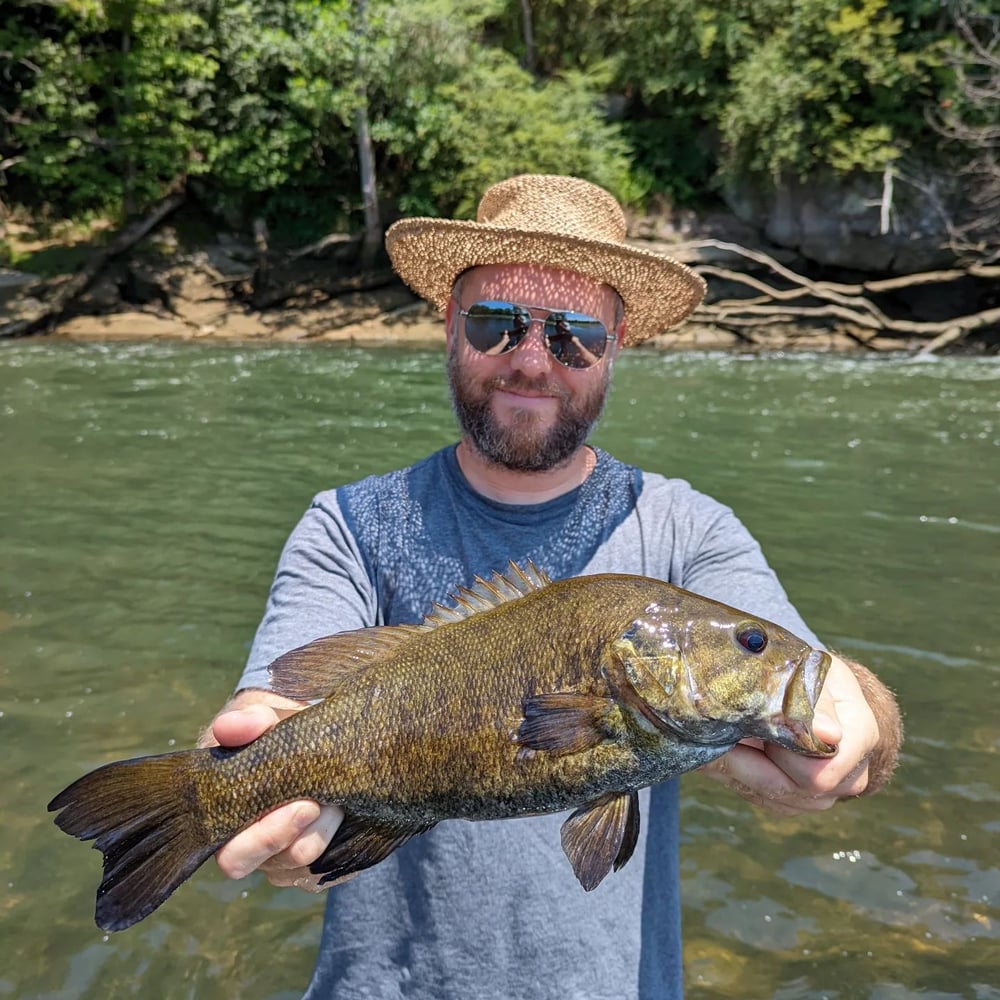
147	491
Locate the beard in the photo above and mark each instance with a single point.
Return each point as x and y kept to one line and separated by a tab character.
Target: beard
526	445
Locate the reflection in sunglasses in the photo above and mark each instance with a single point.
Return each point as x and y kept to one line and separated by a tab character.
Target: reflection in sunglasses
575	340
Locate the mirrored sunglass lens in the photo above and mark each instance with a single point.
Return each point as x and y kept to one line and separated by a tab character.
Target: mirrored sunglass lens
495	327
575	339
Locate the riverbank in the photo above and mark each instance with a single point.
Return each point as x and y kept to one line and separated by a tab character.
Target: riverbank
194	300
228	290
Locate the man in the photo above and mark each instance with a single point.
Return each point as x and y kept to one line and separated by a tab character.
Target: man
539	295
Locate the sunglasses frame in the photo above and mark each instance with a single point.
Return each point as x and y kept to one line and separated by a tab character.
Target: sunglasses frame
547	336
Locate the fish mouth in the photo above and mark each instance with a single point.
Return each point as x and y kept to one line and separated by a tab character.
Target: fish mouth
794	728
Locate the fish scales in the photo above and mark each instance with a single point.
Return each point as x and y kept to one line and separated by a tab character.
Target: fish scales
430	745
528	697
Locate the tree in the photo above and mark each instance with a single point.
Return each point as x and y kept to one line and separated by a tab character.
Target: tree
843	91
105	106
972	120
372	241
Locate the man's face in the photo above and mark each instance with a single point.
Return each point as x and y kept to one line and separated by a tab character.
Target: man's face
524	410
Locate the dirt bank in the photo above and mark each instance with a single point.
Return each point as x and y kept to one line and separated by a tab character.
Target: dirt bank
228	290
196	299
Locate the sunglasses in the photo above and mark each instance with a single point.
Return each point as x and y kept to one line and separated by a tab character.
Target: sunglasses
575	340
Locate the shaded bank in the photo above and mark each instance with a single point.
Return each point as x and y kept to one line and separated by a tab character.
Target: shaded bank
145	282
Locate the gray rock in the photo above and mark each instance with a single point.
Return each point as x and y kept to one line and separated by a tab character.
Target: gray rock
838	223
12	283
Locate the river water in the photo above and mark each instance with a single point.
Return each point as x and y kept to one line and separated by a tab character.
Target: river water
147	489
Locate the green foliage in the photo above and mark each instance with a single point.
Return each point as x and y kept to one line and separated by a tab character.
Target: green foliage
752	86
282	96
670	67
495	121
110	110
256	101
840	93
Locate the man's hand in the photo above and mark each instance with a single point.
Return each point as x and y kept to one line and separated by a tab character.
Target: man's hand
283	843
788	783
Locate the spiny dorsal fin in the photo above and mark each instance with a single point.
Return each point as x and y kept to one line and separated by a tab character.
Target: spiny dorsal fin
321	667
484	595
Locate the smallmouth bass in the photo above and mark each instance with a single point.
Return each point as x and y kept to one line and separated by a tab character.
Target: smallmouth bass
529	697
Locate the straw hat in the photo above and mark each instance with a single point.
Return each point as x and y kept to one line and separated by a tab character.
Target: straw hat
561	222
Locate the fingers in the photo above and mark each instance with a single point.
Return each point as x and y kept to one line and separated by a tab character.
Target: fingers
282	844
750	773
267	837
784	782
291	866
826	726
248	714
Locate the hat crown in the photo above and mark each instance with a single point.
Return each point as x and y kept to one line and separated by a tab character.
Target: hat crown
542	203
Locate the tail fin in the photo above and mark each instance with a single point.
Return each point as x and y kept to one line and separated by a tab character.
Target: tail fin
142	815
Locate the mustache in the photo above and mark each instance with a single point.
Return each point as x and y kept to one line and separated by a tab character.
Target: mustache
518	382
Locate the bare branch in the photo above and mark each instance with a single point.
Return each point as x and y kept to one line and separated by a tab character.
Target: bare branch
849	306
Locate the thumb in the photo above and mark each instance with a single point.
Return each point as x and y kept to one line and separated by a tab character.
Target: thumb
233	729
827	727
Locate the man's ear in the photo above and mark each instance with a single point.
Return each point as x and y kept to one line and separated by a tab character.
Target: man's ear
449	322
618	343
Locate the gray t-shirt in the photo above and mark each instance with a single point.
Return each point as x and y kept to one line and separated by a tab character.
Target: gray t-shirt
492	909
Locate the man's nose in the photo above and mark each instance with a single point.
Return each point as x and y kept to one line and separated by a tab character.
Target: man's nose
532	355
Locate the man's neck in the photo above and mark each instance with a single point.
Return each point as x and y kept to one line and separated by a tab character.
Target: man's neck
495	482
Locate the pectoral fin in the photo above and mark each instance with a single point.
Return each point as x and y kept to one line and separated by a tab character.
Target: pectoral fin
358	844
564	722
601	836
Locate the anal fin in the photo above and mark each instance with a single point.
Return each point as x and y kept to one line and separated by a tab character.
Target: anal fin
360	843
601	836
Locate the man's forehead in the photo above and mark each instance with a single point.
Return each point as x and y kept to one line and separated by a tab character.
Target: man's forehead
535	284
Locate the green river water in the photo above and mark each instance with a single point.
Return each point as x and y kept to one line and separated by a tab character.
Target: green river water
145	492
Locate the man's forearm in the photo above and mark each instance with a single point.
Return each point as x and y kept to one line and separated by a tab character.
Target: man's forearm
881	701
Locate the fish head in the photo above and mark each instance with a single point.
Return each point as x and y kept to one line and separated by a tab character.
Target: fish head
711	674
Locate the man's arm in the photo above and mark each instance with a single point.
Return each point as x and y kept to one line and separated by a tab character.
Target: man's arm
856	712
288	839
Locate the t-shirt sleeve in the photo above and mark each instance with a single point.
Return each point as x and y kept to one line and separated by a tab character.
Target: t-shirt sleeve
725	562
321	586
699	544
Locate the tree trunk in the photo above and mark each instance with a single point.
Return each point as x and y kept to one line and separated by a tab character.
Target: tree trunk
372	242
530	62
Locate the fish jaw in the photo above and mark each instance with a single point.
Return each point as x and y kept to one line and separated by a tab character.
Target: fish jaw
792	727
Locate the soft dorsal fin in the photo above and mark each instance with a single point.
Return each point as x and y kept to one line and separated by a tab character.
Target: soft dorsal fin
484	595
321	667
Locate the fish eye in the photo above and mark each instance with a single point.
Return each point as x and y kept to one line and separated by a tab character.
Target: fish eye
752	638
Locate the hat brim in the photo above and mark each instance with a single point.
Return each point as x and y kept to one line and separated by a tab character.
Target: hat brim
658	291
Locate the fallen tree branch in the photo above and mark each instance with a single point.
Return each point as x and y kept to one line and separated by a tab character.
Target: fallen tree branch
850	304
70	290
330	287
327	241
943	340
